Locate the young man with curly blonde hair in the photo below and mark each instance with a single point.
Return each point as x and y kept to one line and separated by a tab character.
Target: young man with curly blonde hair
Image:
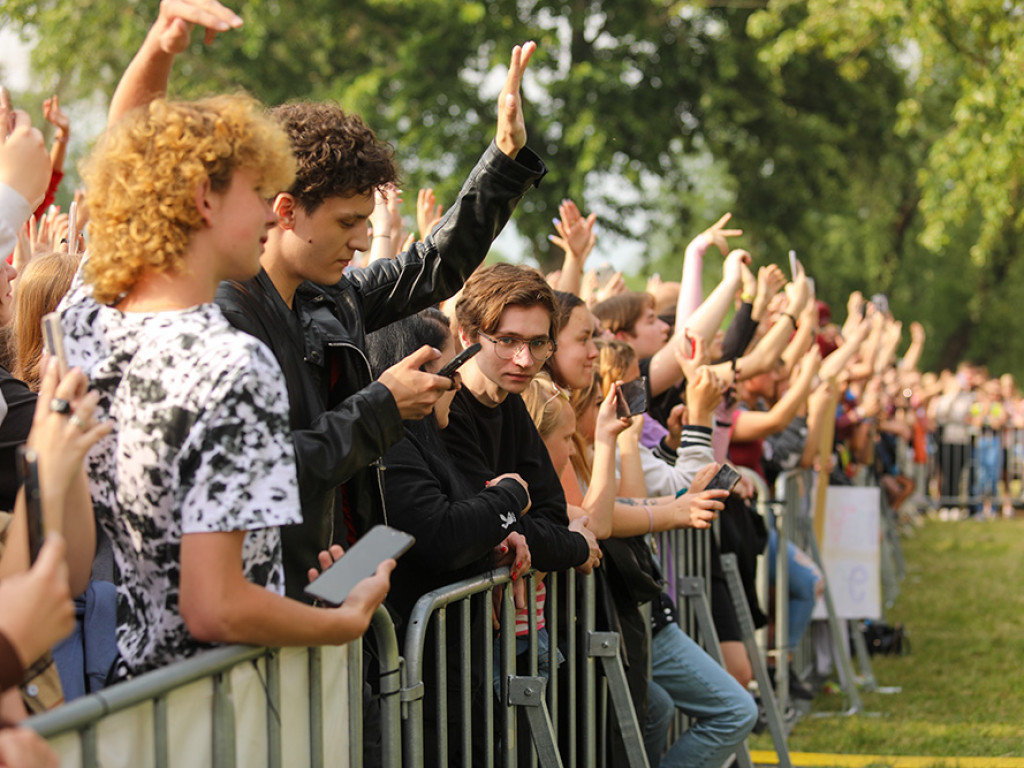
199	472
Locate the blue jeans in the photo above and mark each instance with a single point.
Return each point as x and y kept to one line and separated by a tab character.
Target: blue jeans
685	677
801	590
522	646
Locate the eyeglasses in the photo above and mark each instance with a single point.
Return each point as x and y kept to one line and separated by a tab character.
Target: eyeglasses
507	347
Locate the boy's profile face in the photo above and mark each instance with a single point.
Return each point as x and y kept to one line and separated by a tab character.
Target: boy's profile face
523	324
320	245
240	221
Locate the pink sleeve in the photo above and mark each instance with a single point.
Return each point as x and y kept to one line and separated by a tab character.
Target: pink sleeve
692	290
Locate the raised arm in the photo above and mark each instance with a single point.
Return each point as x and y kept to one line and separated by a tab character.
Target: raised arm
576	238
691	293
149	72
754	425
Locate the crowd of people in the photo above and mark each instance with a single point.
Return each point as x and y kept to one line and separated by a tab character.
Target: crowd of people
253	344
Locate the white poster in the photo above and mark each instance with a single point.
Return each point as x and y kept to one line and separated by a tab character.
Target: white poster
851	552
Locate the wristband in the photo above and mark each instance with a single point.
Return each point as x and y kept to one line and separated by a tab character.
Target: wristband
747	298
787	314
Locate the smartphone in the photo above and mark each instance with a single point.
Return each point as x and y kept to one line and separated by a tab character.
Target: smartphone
792	264
725	479
605	272
459	360
29	475
53	341
73	229
359	562
633	398
810	284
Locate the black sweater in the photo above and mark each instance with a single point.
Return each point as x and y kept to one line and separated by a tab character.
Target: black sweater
456	525
486	442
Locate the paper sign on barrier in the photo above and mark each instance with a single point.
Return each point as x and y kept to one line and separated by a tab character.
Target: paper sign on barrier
851	552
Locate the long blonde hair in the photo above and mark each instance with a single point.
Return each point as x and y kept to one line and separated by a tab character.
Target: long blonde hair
545	403
42	285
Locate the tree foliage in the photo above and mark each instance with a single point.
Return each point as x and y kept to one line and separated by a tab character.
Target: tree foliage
878	139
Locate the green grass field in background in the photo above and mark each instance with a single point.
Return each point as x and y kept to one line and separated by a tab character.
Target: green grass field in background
963	682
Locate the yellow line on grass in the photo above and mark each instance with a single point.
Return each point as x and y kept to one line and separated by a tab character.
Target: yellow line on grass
825	760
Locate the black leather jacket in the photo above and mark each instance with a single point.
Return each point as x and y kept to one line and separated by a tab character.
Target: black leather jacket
342	421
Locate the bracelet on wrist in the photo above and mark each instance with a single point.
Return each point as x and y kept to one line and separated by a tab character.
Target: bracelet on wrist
793	319
747	298
382	237
650	519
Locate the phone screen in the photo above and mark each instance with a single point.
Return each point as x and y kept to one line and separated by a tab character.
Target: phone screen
633	398
359	562
725	479
792	264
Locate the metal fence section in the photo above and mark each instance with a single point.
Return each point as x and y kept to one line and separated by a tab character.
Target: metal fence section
545	681
230	706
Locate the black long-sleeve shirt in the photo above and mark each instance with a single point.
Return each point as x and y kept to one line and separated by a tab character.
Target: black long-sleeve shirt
489	441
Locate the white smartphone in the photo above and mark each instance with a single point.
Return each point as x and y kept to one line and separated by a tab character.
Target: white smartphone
359	562
792	264
53	341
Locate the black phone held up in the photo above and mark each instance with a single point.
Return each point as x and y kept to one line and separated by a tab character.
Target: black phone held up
725	479
29	473
359	562
459	360
632	399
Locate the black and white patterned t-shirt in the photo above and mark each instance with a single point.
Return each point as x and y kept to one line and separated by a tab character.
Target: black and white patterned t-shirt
200	444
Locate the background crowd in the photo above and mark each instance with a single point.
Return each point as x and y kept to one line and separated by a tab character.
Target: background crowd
255	326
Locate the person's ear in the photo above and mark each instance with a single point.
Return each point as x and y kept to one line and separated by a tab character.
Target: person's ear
285	207
464	338
625	336
204	203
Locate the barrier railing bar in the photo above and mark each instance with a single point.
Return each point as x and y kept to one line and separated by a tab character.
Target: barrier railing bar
465	644
605	646
588	731
223	722
441	663
508	670
488	648
89	746
161	758
552	620
316	710
272	669
355	703
531	615
77	714
776	726
390	665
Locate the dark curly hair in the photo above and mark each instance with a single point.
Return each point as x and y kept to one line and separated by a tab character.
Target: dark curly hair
338	154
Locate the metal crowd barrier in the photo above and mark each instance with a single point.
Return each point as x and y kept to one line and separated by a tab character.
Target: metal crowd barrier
230	706
549	697
981	466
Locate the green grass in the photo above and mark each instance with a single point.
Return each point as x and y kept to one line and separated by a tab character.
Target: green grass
963	682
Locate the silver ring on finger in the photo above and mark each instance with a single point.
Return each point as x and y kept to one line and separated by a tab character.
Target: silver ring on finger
76	421
60	405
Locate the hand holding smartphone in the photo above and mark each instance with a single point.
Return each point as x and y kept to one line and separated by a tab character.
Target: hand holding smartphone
29	475
358	563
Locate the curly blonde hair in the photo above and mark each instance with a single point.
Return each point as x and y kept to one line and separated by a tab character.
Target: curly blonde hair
143	175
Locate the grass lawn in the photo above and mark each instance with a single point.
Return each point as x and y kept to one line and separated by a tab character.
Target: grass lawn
963	682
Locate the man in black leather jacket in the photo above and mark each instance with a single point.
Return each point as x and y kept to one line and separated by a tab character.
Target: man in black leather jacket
312	317
342	421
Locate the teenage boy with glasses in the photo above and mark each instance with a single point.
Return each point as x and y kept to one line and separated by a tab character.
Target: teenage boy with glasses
510	310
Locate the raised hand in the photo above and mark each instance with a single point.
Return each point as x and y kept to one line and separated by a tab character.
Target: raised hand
173	27
703	394
718	236
609	424
575	233
54	115
511	134
734	262
428	212
24	164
